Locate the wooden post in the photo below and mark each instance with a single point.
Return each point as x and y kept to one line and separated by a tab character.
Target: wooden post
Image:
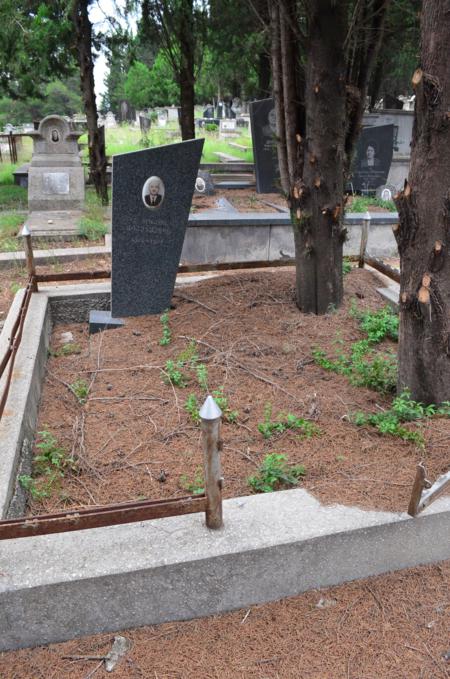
364	238
210	415
26	234
424	492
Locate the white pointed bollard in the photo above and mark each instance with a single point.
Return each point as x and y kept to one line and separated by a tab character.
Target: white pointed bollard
26	235
211	415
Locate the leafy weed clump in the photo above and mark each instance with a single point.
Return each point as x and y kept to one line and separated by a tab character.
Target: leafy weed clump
275	473
306	428
49	467
403	409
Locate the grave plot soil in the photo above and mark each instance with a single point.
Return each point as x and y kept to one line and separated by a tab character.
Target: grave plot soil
389	627
133	438
244	200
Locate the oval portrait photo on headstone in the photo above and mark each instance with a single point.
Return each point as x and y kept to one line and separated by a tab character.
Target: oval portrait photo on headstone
153	192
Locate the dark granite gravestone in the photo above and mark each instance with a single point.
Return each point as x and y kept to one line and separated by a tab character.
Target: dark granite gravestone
145	124
204	185
373	158
263	124
151	199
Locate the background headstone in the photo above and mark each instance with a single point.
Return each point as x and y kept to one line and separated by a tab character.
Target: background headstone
263	126
204	185
145	124
373	158
147	241
110	120
55	175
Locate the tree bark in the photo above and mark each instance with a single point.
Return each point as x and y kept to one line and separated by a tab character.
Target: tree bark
317	198
187	64
423	234
83	50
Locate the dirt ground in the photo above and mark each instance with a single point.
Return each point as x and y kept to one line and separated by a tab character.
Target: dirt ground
134	439
244	200
389	627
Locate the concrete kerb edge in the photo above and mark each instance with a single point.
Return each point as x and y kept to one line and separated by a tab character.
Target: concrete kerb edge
156	581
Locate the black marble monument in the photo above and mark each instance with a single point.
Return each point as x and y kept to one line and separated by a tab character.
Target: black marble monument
151	199
373	158
263	124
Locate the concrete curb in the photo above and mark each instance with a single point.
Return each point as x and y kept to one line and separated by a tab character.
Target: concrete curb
226	236
57	587
19	419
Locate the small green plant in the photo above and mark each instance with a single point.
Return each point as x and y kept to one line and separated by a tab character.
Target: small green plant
167	335
211	127
403	409
49	467
14	287
346	267
202	376
196	486
173	374
91	228
188	356
283	422
275	473
377	324
363	203
222	402
191	407
80	389
66	350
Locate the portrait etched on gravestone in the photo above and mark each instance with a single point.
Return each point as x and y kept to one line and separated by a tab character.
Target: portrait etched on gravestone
373	158
153	192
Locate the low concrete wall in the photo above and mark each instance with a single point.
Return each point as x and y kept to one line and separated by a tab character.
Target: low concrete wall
274	545
18	423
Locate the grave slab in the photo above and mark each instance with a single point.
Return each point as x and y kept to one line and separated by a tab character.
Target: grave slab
152	194
100	320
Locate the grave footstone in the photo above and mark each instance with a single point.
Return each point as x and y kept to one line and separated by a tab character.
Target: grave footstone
373	158
55	175
152	194
264	129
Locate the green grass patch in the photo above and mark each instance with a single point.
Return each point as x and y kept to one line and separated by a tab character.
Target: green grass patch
13	197
92	229
364	203
6	173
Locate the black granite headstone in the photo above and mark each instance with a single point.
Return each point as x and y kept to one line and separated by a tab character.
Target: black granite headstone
373	158
263	124
145	124
152	194
204	185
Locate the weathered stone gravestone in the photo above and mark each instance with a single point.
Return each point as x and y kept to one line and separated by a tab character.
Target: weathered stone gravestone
55	175
152	194
172	114
264	129
228	128
373	158
110	120
145	124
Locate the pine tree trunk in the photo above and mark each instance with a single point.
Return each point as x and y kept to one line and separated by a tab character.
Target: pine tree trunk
423	234
83	39
317	197
187	66
187	100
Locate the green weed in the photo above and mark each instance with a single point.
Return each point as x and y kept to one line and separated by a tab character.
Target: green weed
363	203
166	333
222	402
202	376
15	287
377	324
283	422
403	409
275	473
49	467
196	486
80	389
173	374
191	407
66	350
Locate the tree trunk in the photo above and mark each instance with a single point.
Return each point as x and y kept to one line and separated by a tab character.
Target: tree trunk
317	197
187	100
263	75
187	65
83	49
423	234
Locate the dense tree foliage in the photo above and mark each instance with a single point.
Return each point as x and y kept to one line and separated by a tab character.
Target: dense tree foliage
63	97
